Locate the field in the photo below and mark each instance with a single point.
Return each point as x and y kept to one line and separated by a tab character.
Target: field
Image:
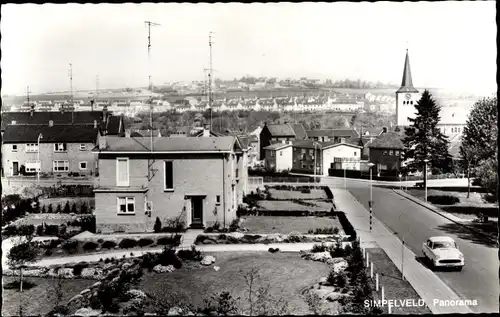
286	273
39	299
295	194
291	205
286	225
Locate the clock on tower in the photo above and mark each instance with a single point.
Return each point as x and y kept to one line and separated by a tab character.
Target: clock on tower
408	96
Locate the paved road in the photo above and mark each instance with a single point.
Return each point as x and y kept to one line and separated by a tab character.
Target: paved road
479	278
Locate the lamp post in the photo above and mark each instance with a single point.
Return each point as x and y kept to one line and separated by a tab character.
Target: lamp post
370	203
400	180
425	177
345	185
40	136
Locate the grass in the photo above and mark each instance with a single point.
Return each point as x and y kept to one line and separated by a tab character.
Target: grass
285	225
394	287
295	194
287	274
290	205
39	299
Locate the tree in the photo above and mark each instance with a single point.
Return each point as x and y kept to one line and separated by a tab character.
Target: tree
423	140
49	209
58	209
479	139
67	208
73	208
157	225
83	208
21	254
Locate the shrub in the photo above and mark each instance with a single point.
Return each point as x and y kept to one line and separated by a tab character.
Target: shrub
306	190
90	246
319	248
83	208
443	199
127	243
337	251
49	209
58	209
216	225
78	268
107	260
48	252
10	230
67	208
209	229
26	230
168	257
100	240
191	254
149	260
144	242
43	209
157	226
51	230
73	208
108	244
171	240
69	245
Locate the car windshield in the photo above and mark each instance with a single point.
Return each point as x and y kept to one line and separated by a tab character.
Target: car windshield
443	245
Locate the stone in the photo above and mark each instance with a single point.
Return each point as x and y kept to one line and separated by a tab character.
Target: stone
85	311
85	292
126	265
97	249
340	266
334	296
77	301
324	281
96	285
237	235
175	311
163	269
216	268
137	294
320	256
208	260
66	272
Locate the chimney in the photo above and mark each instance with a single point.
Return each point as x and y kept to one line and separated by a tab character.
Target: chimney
95	124
51	123
102	143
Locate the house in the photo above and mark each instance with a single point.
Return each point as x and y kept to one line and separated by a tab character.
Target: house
453	120
279	157
386	152
50	149
143	133
107	123
274	133
307	153
337	135
201	177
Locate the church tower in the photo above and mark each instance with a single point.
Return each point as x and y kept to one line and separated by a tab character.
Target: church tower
406	97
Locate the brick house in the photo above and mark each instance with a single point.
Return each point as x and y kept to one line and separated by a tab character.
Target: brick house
336	135
386	152
279	157
204	177
274	133
62	149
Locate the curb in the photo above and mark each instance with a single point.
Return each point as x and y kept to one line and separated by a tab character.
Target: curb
442	214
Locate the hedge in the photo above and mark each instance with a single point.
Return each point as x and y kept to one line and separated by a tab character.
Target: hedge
443	199
346	225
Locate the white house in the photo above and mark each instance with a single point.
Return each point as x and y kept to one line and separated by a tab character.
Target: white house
345	155
279	156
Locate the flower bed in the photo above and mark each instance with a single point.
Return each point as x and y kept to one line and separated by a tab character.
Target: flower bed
240	238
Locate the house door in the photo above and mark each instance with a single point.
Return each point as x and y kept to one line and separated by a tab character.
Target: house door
15	168
197	210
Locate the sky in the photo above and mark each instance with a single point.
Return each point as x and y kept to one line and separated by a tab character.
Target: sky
451	44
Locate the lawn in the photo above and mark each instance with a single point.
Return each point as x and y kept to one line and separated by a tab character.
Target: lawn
39	299
296	194
285	225
287	274
394	287
292	205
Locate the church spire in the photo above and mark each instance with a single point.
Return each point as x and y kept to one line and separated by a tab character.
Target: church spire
407	83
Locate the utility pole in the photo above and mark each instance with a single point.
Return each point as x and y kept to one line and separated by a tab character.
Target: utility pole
210	77
96	91
28	94
70	73
149	24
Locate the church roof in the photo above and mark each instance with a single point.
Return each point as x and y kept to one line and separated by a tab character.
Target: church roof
407	83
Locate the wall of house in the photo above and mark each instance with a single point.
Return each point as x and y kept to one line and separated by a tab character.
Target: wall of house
385	162
47	155
284	159
264	140
192	175
270	161
449	129
346	151
405	108
307	163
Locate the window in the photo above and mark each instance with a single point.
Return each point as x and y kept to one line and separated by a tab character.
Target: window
281	153
217	200
14	147
303	151
411	102
272	153
391	152
237	174
33	147
122	172
83	166
396	152
311	152
342	140
385	152
126	205
83	147
60	166
355	153
169	176
32	166
60	147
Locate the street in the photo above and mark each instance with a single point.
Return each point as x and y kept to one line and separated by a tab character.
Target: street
479	278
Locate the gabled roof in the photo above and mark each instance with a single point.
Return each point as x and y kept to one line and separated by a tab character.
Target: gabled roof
281	130
309	144
54	134
407	82
350	133
187	144
277	146
77	117
389	140
300	131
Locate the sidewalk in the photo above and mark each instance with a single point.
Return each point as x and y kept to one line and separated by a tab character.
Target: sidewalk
424	281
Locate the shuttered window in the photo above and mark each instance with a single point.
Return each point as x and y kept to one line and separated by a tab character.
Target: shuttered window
122	172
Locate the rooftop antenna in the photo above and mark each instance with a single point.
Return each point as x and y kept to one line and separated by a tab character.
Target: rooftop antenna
150	85
28	94
70	73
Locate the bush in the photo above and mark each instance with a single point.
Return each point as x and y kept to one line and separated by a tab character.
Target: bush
108	244
58	209
49	209
26	230
127	243
168	257
319	248
327	230
171	240
235	225
216	225
78	268
191	255
306	190
69	245
73	208
209	230
83	208
67	208
157	226
51	230
443	199
144	242
10	230
337	251
149	261
89	246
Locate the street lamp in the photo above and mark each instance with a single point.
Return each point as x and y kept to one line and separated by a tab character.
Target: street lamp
400	180
425	177
40	136
370	203
345	185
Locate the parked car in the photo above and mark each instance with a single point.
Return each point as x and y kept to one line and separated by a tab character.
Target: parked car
442	251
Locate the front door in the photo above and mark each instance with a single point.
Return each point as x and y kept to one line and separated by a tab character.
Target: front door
197	210
15	168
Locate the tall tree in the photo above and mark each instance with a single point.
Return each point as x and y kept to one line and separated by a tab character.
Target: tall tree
479	142
423	140
22	253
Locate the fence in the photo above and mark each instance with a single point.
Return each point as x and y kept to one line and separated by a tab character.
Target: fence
392	177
